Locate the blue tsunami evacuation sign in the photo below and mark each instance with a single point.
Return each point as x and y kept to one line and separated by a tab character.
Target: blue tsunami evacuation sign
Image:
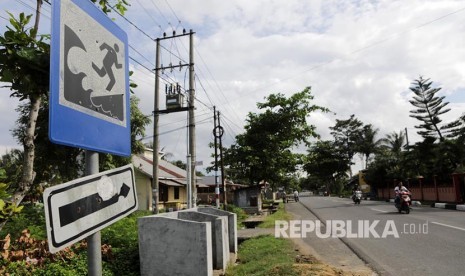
89	99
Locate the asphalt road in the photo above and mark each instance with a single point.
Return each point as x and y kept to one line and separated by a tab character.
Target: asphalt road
428	241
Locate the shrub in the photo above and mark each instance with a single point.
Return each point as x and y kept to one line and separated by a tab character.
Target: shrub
241	214
32	217
27	254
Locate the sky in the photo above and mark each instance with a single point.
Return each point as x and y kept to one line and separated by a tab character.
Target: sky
358	57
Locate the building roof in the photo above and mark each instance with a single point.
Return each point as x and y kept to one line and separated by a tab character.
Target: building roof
209	180
168	173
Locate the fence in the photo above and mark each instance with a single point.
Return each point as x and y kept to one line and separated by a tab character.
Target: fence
434	189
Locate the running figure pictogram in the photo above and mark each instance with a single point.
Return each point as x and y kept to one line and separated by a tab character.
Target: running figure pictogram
108	61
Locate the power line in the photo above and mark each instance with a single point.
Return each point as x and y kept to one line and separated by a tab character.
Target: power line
231	131
150	15
156	7
217	85
136	61
134	49
232	122
175	129
168	50
130	22
32	8
173	12
183	120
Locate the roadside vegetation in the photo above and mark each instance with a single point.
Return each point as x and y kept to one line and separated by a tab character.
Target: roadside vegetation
240	213
264	255
267	255
280	214
24	248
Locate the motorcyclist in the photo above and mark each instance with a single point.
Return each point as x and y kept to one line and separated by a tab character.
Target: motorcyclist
296	195
399	190
397	193
356	194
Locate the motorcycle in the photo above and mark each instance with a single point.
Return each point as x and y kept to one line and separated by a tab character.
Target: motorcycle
404	202
296	198
357	197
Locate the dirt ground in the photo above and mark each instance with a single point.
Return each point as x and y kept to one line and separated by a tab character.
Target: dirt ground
307	264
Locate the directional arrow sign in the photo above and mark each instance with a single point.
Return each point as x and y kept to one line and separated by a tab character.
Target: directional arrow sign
79	208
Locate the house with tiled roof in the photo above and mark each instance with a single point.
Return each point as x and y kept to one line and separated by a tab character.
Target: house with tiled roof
172	183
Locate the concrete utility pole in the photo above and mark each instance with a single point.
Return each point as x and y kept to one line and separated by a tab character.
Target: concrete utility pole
217	184
223	179
156	104
157	112
192	148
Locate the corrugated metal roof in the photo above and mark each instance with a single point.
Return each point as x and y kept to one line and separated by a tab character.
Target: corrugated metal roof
173	175
170	182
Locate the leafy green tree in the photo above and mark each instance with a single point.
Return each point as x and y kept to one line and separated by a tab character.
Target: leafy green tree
265	150
7	207
54	163
138	123
12	162
429	108
311	183
327	162
24	63
346	135
389	160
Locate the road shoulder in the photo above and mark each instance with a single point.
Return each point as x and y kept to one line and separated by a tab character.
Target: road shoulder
331	250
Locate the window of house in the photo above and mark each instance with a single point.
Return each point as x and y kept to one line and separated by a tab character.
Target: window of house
176	192
163	194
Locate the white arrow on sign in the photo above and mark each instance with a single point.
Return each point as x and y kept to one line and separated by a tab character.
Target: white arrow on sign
79	208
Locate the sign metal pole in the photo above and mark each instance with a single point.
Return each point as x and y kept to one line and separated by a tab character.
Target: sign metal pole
94	242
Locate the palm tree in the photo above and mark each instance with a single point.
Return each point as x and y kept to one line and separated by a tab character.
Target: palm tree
367	142
395	142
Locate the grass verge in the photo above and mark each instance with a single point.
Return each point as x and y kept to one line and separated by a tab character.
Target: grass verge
280	214
264	255
267	255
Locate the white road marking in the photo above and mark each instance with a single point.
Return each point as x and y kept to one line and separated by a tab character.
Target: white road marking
447	225
382	211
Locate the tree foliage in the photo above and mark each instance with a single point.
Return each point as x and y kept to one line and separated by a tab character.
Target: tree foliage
24	64
367	143
107	7
429	108
327	162
346	135
265	150
394	142
53	163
